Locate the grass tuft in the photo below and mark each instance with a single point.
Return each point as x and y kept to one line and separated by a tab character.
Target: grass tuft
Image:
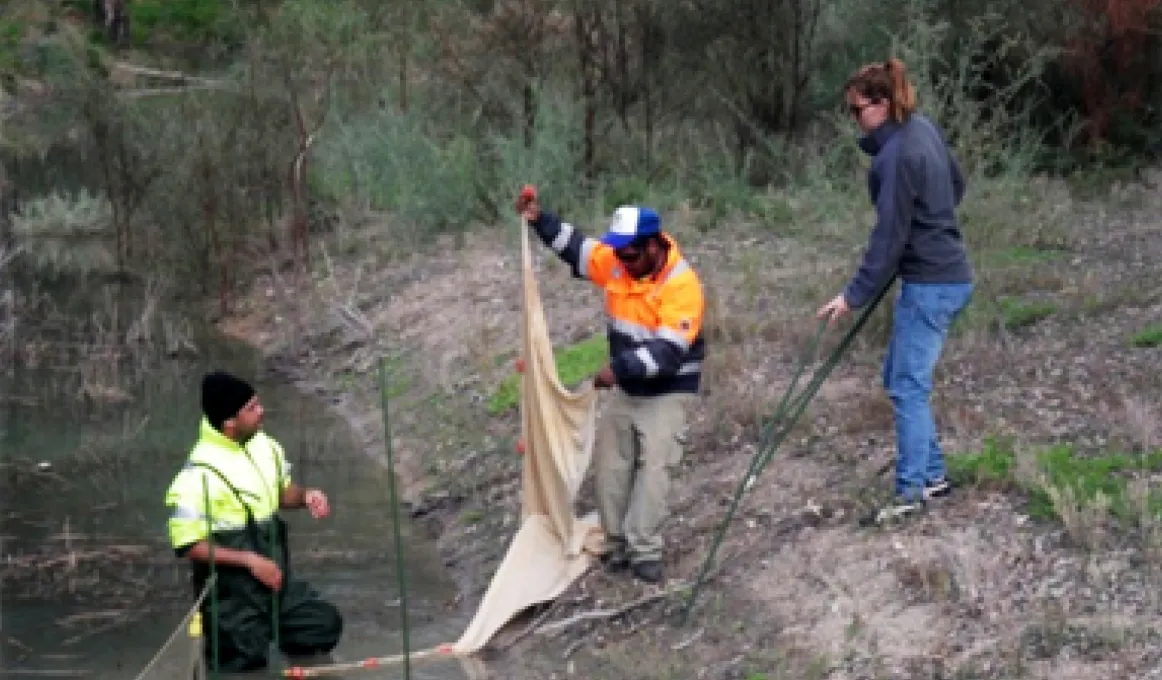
1150	336
1060	474
1020	313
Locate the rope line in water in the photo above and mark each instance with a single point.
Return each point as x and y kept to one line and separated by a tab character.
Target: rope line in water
372	663
185	623
779	427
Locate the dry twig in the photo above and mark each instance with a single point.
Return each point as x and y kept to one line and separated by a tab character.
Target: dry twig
600	614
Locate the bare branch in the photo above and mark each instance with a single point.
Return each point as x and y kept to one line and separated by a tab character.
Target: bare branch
602	614
164	75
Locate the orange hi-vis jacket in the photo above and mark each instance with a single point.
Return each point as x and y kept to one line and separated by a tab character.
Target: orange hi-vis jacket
654	325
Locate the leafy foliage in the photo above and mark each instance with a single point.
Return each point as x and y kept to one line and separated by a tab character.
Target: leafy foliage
66	234
434	112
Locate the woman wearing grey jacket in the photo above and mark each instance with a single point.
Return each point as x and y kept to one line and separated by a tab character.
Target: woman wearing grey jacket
915	184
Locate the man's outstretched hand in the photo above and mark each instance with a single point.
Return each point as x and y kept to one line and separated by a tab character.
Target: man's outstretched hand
526	204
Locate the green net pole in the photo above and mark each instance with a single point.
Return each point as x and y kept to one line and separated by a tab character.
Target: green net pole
275	647
213	581
788	414
785	404
403	602
801	402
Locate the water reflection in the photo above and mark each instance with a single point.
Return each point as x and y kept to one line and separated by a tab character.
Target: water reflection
90	586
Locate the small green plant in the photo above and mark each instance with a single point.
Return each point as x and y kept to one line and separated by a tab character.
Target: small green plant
990	466
1021	256
11	35
1020	314
1150	336
574	363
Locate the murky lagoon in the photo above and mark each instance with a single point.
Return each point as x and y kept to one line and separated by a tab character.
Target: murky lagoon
90	586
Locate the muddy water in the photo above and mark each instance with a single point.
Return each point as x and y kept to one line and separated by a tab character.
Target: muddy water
90	587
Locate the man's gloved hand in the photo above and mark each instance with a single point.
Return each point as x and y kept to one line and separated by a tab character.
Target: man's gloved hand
526	204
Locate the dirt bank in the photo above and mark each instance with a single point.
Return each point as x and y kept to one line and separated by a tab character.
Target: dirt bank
981	586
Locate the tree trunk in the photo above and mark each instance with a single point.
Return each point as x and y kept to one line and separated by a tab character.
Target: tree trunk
585	53
530	114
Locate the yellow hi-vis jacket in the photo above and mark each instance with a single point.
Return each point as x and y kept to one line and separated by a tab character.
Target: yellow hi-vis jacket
258	472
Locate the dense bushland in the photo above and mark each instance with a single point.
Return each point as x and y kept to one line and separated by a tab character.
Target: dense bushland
183	144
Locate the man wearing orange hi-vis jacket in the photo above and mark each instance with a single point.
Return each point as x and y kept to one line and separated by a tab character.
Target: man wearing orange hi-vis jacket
654	307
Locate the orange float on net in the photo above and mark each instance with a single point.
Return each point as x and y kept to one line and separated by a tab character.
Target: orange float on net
520	365
520	446
371	663
296	672
444	649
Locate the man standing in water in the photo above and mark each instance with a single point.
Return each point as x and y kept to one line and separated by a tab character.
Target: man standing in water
237	479
654	308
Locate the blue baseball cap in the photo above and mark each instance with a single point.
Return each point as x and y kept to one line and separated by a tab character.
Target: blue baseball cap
629	223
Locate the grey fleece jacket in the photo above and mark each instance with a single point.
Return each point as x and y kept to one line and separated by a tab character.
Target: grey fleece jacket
916	184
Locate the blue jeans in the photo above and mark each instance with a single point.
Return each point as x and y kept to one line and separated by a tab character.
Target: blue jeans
923	313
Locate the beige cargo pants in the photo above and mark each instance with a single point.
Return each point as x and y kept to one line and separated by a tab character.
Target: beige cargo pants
639	447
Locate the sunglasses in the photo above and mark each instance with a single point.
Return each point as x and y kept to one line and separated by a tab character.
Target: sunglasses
629	255
856	110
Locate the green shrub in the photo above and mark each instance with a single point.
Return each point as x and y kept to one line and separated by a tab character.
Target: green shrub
195	21
1059	468
1150	336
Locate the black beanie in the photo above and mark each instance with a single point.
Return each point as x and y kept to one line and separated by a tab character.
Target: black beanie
223	396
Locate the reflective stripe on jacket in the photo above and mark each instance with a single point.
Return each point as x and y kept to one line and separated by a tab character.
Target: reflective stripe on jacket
654	325
258	472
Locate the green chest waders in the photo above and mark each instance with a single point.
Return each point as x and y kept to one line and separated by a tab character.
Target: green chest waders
246	636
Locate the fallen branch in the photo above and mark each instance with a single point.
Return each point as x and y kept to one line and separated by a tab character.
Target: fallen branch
177	89
534	624
99	630
602	614
86	617
688	641
164	75
71	558
573	647
63	673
